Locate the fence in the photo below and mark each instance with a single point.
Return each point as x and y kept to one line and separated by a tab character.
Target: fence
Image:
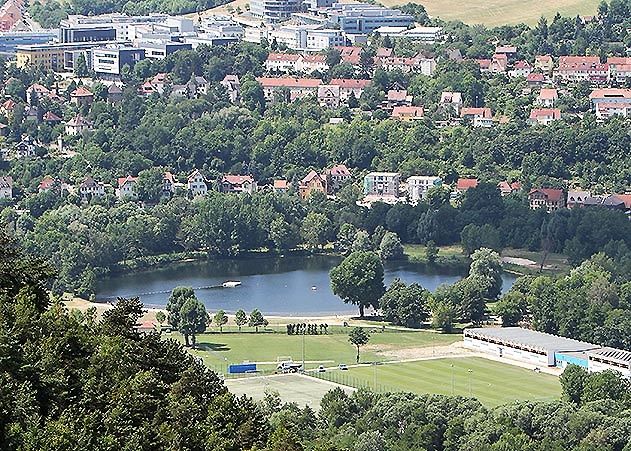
347	379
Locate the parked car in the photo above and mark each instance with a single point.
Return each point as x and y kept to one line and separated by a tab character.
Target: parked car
321	369
343	367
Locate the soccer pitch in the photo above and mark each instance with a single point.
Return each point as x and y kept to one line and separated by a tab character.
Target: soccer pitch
302	390
491	382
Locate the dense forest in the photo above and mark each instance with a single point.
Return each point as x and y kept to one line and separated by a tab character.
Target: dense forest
73	381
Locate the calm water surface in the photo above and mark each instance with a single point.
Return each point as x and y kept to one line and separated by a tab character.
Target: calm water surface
274	285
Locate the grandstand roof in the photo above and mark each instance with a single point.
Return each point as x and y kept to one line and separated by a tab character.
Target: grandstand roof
530	339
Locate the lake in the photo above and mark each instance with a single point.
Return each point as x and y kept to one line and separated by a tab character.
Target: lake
274	285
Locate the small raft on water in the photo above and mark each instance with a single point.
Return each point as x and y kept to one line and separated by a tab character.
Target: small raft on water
231	283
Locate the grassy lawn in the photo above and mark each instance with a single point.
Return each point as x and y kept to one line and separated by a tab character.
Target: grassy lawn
491	382
416	252
501	12
219	350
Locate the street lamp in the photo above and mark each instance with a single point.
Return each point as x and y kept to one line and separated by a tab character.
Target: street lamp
452	379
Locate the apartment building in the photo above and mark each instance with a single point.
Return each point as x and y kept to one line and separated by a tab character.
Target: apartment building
382	184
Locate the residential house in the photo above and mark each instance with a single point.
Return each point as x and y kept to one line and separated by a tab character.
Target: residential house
48	183
479	117
336	177
295	88
610	102
231	183
419	185
544	116
535	80
313	63
114	93
508	188
280	186
233	87
520	69
397	97
78	125
282	62
581	68
127	187
547	97
329	96
168	184
417	64
451	101
509	50
37	92
619	69
312	182
197	86
350	86
485	65
577	198
464	184
499	63
196	184
90	188
51	118
82	97
349	54
25	148
382	184
544	63
156	85
6	187
7	107
548	198
407	113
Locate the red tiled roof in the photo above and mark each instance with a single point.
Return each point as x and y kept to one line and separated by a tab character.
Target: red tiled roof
397	95
280	184
465	184
287	82
543	58
383	52
237	179
537	113
581	63
339	169
552	195
619	60
522	65
283	57
123	180
81	92
350	83
535	77
314	58
484	112
548	94
310	176
406	111
506	49
610	93
46	182
49	116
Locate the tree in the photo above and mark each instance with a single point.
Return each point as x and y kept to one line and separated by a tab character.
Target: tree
333	57
150	185
358	280
405	305
474	237
256	320
358	337
443	316
345	237
390	247
282	234
161	317
315	229
80	66
252	95
361	242
178	297
193	319
573	382
240	318
220	319
511	308
487	265
431	252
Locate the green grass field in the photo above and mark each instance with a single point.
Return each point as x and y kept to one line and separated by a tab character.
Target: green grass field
219	350
501	12
491	382
302	390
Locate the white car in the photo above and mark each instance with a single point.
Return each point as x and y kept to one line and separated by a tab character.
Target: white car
343	367
321	369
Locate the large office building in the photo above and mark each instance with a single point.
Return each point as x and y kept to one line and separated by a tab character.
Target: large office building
110	60
274	10
9	40
364	18
55	57
541	349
